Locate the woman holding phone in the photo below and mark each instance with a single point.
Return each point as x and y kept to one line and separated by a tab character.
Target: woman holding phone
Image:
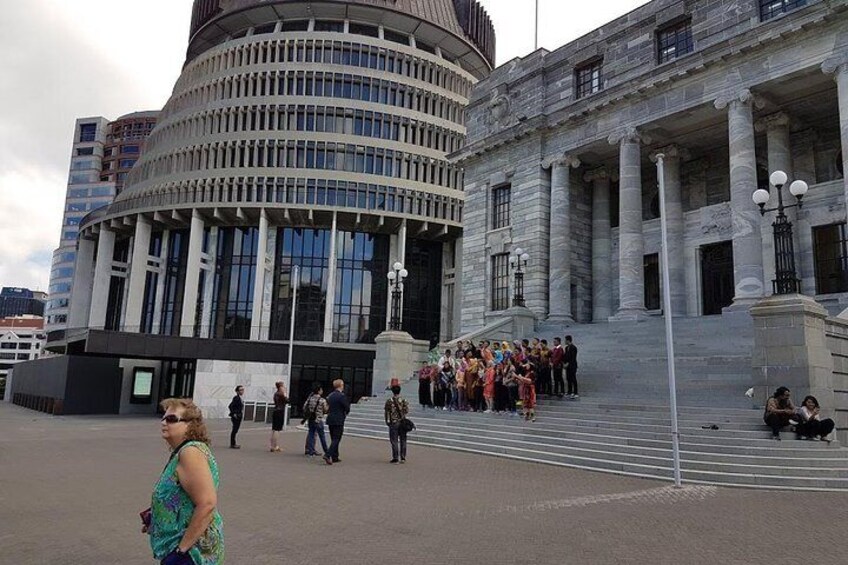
183	522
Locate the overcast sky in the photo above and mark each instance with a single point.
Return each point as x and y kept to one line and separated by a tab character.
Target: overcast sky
65	59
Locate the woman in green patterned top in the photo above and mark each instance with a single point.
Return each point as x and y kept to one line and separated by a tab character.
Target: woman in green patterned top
185	527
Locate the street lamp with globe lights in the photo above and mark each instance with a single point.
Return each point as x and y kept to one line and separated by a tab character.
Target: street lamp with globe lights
786	281
518	261
396	276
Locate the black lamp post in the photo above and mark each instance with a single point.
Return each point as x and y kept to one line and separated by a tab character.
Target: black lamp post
518	262
396	276
786	281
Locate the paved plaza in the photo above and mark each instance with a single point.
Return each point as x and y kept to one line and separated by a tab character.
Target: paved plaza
71	489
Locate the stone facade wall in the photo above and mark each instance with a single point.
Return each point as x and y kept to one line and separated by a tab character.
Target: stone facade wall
837	341
215	383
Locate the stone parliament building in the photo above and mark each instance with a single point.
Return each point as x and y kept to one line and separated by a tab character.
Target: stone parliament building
561	151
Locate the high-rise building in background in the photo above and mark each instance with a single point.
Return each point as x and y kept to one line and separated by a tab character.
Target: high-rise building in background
21	340
308	135
21	301
102	155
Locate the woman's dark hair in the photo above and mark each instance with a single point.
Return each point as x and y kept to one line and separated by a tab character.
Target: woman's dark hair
316	388
809	397
238	387
396	390
780	391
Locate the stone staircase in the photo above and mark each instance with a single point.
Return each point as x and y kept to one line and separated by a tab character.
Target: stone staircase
628	439
622	423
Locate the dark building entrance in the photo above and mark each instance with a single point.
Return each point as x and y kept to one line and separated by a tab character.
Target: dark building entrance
717	277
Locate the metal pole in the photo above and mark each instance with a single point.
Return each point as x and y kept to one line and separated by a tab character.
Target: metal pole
295	283
536	37
669	333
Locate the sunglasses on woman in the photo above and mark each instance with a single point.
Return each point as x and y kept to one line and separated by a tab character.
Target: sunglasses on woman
173	419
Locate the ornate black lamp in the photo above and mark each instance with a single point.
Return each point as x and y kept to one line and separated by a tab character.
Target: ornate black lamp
518	261
396	276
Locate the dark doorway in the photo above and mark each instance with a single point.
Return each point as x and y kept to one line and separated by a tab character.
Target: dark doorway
652	281
717	277
177	380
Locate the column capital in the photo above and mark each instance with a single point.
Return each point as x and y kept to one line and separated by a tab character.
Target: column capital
671	151
629	134
566	160
776	120
598	173
835	65
742	96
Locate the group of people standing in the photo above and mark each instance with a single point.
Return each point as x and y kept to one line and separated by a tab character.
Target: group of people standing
498	377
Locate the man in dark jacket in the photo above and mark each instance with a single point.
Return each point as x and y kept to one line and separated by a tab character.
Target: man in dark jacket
570	359
339	409
236	408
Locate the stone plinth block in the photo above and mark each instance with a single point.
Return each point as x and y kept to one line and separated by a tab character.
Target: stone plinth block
394	358
791	350
523	322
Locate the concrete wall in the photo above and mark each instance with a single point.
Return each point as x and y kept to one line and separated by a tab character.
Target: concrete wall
86	385
837	341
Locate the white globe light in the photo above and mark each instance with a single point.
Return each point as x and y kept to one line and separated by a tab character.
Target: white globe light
404	273
397	266
391	275
519	251
778	178
798	188
525	257
512	259
761	196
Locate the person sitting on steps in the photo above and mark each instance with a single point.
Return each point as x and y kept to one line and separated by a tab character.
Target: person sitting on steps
780	411
810	425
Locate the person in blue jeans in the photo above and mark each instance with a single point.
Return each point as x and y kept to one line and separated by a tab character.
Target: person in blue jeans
314	410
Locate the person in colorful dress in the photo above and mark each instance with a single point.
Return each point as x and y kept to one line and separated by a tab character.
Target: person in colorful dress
183	523
528	394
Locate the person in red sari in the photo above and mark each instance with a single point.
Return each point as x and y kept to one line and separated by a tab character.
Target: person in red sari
528	392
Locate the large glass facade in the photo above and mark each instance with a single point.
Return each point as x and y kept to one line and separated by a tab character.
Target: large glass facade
359	312
175	274
422	292
235	277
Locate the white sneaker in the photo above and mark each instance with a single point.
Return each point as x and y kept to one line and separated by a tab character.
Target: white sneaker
793	422
487	412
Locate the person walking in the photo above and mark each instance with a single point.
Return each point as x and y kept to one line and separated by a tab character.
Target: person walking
395	411
557	365
278	417
236	409
313	411
183	523
570	359
338	409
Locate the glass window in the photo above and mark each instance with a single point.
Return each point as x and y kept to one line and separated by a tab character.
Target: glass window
651	271
102	191
359	312
500	281
324	25
363	29
401	38
80	178
295	25
422	292
674	41
85	151
773	8
175	272
830	249
588	78
88	132
130	149
235	276
501	197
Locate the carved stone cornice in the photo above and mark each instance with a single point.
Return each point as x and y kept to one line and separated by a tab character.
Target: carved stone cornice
835	65
629	134
564	160
743	96
776	120
672	151
598	173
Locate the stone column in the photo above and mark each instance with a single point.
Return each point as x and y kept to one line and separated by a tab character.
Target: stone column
746	219
102	278
559	274
838	67
601	238
631	239
256	329
138	275
192	280
672	156
330	301
80	304
776	126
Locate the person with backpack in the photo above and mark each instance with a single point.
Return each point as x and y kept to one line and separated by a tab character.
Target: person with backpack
395	412
313	412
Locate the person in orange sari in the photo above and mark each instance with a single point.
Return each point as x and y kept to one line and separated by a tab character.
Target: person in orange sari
528	394
489	387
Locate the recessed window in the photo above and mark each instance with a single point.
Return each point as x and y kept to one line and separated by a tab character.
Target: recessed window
830	249
85	151
87	132
267	28
363	29
295	25
130	149
589	77
325	25
501	197
772	8
390	35
500	282
674	41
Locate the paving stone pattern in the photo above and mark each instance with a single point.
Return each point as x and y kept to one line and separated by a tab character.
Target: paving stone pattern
72	488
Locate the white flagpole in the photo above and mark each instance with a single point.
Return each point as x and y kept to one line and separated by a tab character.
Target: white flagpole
669	334
536	37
